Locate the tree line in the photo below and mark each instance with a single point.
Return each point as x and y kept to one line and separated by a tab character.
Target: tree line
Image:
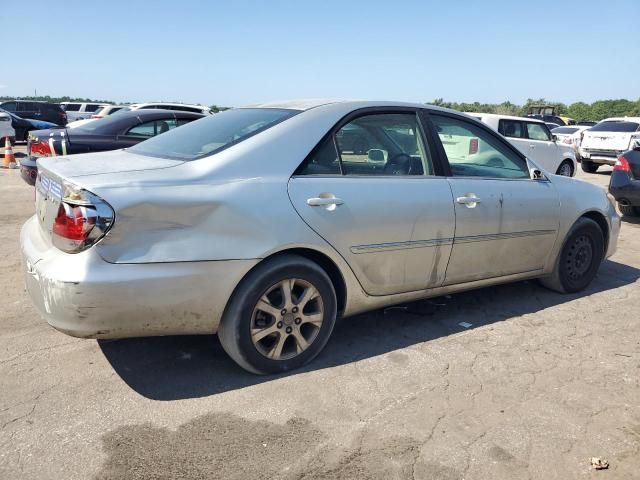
580	111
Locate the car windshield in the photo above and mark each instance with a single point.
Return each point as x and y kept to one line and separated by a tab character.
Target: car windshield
212	134
564	130
615	126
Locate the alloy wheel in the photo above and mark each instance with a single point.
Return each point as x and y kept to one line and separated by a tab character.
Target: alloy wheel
287	319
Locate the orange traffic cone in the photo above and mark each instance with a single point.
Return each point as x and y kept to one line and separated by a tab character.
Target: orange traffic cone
9	158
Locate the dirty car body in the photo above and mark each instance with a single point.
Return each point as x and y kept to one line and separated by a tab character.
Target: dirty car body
257	224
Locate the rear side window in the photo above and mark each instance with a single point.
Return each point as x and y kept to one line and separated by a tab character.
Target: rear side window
156	127
474	152
91	107
616	126
538	131
212	134
72	107
511	128
26	107
323	160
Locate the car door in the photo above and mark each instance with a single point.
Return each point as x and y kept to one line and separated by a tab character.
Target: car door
379	204
542	149
506	222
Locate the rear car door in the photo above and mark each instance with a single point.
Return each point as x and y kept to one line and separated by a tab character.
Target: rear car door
378	201
506	222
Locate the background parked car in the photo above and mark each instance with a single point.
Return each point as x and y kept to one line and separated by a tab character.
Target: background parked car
6	129
23	126
604	142
533	138
571	135
107	110
78	110
49	112
111	133
624	184
183	107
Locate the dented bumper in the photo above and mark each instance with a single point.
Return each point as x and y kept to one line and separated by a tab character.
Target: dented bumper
84	296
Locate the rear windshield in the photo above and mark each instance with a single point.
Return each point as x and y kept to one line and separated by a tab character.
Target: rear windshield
564	130
615	126
212	134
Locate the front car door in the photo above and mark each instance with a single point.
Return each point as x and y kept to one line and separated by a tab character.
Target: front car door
370	189
542	149
506	222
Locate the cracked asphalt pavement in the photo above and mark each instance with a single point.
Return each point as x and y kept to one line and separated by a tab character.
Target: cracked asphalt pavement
537	385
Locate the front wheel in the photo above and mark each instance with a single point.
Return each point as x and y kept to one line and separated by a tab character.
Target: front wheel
280	316
565	169
579	259
588	166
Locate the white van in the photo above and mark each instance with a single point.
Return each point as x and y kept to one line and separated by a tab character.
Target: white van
534	139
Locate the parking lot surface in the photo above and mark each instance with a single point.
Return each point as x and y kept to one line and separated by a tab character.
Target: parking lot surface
507	382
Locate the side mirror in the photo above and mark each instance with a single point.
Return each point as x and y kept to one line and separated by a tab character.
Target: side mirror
537	174
554	137
376	155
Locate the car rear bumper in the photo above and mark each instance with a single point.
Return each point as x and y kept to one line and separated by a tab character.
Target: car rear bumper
624	188
84	296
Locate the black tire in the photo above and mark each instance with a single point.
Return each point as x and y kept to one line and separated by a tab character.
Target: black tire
589	167
563	167
235	328
628	210
579	259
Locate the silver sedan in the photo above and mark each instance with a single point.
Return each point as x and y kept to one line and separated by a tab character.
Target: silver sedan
267	223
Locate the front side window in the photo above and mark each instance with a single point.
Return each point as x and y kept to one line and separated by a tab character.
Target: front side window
9	106
474	152
538	131
511	128
72	107
212	133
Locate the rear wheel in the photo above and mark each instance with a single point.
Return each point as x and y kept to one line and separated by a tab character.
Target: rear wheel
280	317
565	169
628	210
589	167
579	259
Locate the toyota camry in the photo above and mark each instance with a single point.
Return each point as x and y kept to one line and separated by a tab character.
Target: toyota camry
267	223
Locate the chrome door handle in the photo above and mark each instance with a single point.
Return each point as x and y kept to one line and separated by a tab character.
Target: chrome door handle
532	146
324	201
470	200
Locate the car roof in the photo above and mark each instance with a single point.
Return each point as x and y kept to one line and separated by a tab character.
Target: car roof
504	117
308	104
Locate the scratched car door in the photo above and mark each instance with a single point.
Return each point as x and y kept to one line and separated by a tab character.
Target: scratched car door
506	222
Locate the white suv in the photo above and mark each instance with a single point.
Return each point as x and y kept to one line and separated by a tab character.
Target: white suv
533	138
78	110
606	140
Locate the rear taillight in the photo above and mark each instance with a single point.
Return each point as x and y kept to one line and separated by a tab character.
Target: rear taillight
622	165
39	148
82	220
473	146
74	222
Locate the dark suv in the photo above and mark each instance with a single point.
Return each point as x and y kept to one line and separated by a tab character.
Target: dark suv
49	112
